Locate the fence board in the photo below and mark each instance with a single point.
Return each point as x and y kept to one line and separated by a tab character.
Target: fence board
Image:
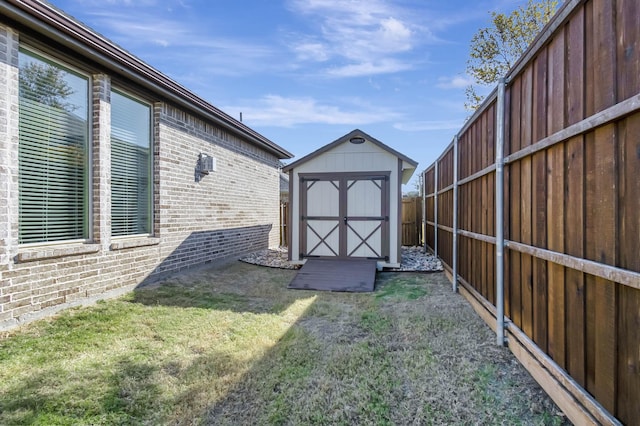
481	138
539	239
526	260
515	283
590	333
589	59
603	43
491	137
575	290
601	246
507	253
515	93
574	203
628	313
469	241
484	247
628	53
606	336
411	221
555	201
284	223
555	242
629	187
473	214
526	108
538	201
556	84
575	65
628	388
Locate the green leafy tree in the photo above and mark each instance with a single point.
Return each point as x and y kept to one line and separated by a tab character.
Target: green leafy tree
495	49
46	84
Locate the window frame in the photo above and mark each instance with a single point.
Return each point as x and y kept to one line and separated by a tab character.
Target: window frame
88	216
129	94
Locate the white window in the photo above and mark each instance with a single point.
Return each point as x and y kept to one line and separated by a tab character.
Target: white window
131	183
53	151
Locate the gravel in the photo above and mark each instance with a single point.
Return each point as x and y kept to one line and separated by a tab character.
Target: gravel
414	259
273	258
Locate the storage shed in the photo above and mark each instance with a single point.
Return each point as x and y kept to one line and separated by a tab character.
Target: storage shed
346	201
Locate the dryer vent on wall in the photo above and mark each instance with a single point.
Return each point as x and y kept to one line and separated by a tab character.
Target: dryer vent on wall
206	164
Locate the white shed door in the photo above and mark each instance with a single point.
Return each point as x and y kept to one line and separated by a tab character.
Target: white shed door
345	215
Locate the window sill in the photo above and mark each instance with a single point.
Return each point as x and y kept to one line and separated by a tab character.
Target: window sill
134	242
49	252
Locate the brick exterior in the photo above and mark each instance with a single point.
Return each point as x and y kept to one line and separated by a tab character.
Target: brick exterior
223	215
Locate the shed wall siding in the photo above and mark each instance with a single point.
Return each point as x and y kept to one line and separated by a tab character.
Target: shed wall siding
348	157
232	211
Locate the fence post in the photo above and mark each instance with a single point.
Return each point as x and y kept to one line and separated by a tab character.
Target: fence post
455	215
435	210
423	209
500	340
283	224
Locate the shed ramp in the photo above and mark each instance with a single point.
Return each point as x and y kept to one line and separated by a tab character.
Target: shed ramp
351	275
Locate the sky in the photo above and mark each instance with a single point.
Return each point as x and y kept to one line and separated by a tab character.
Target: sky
303	73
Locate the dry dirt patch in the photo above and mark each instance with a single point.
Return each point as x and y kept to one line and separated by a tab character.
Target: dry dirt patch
409	353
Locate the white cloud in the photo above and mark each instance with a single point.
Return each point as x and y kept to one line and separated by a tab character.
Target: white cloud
455	82
311	51
385	66
395	34
374	84
421	126
125	3
366	37
184	43
279	111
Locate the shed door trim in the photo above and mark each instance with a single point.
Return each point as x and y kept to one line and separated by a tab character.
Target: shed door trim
343	223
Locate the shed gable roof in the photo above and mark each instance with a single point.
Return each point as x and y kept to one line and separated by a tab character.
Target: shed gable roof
353	134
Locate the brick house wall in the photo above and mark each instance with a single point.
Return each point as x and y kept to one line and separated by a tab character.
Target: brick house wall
231	211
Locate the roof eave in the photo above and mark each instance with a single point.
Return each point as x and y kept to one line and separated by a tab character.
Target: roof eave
342	139
51	22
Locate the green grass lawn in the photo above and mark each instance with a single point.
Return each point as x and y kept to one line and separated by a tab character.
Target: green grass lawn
230	345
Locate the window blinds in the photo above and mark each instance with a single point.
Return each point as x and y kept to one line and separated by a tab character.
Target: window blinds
52	153
130	166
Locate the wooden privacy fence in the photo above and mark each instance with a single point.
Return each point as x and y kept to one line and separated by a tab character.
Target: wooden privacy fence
535	210
284	215
411	221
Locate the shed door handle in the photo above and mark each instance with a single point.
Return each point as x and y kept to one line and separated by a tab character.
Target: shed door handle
345	220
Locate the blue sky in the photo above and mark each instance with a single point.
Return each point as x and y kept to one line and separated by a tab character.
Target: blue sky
305	72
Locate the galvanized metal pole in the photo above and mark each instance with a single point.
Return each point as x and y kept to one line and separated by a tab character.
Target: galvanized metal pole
423	193
435	210
455	215
500	340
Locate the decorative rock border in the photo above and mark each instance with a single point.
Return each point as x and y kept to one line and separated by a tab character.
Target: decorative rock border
413	260
273	258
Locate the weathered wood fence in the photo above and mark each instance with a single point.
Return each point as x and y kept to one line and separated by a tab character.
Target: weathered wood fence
284	223
411	221
535	210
